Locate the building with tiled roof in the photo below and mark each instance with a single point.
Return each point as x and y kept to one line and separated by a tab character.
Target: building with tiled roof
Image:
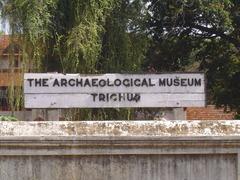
10	67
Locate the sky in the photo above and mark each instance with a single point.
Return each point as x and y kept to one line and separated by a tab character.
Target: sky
4	27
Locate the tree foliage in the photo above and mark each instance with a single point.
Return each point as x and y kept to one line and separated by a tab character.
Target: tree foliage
207	32
78	36
99	36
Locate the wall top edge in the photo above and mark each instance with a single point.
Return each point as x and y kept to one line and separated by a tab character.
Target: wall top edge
113	129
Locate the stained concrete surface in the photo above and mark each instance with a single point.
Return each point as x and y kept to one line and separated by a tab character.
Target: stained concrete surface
119	167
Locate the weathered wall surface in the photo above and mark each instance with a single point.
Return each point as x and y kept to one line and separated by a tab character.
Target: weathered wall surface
129	150
119	167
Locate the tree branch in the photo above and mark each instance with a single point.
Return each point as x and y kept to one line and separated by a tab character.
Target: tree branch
230	39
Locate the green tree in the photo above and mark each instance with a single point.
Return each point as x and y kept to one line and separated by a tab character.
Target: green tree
118	36
78	36
189	31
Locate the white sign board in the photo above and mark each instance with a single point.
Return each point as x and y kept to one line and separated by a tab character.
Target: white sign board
53	90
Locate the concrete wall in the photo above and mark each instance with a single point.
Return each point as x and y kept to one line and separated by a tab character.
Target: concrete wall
129	150
119	167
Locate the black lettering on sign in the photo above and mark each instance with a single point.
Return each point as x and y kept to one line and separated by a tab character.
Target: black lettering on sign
183	82
101	97
113	97
38	82
71	82
117	82
108	97
87	83
198	82
30	82
176	82
190	82
64	82
56	83
121	97
150	82
102	83
79	82
45	82
109	83
137	97
131	82
180	82
94	82
162	82
94	95
137	82
144	82
169	82
126	82
128	97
